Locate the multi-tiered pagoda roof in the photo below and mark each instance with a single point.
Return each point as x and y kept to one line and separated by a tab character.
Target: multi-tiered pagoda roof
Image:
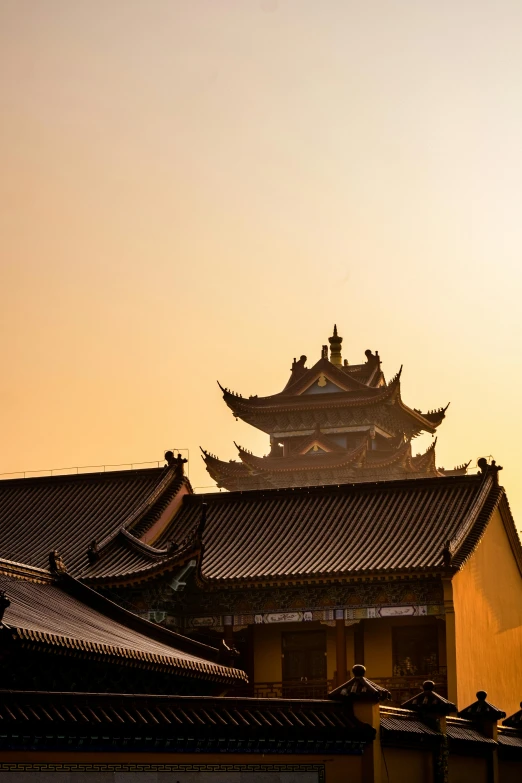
332	423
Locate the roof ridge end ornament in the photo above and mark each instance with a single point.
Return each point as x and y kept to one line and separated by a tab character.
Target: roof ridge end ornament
93	552
447	554
372	357
489	468
396	378
56	562
176	462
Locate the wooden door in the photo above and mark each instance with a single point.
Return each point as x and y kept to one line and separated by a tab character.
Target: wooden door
304	664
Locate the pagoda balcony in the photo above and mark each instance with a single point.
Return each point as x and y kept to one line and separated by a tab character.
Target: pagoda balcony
401	687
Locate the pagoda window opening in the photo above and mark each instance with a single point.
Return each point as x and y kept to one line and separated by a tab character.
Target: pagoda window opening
415	650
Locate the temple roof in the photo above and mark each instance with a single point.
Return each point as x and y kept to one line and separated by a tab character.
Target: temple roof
375	527
250	409
190	724
57	612
333	463
330	384
69	512
346	530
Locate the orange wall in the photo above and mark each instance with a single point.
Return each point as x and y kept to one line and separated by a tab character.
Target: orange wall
464	769
406	766
487	596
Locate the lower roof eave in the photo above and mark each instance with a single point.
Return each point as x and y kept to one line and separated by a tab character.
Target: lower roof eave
280	580
177	666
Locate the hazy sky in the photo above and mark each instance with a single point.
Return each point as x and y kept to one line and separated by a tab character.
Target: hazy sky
194	190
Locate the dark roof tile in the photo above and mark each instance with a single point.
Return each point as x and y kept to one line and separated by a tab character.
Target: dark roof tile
68	512
219	721
45	612
387	526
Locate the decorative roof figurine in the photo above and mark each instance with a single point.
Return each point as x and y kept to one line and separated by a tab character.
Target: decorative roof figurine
333	423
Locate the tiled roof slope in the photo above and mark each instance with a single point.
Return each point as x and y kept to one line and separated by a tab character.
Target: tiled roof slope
47	612
127	556
68	512
178	723
349	529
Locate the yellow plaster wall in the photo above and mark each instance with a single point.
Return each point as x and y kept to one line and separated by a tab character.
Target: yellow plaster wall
267	653
406	766
467	769
487	597
378	648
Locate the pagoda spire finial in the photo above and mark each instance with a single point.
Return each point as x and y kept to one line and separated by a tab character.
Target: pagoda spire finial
335	348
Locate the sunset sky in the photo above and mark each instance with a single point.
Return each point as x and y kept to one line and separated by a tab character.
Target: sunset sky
196	190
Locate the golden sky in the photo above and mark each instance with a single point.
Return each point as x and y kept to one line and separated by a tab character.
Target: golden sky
193	190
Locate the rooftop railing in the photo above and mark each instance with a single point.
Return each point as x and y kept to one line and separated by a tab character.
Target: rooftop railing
77	470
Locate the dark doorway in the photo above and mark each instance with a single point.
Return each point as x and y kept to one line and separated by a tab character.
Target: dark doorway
304	664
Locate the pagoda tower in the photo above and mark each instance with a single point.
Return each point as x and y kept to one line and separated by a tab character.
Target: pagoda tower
333	423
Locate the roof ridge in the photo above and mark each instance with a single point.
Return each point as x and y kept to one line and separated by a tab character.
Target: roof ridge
463	542
168	478
23	570
66	477
362	486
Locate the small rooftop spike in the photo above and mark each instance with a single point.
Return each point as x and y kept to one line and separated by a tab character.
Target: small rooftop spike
482	710
429	701
514	721
360	688
335	348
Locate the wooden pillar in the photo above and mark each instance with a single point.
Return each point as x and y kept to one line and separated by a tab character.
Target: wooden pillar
250	657
358	642
340	647
451	641
229	630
